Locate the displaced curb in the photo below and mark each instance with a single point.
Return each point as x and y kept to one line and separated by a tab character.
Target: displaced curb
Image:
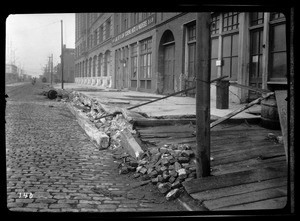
128	141
99	138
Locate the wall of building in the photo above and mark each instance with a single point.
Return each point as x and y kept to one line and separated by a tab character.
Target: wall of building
233	39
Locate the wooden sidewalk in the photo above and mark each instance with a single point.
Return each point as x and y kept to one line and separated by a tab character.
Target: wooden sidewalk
248	170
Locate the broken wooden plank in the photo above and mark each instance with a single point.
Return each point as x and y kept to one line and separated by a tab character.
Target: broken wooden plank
244	198
239	189
231	179
282	111
235	112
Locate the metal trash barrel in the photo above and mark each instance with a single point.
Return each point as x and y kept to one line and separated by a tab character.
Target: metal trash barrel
52	94
269	113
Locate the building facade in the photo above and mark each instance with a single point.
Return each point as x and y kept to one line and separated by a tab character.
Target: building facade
69	67
156	52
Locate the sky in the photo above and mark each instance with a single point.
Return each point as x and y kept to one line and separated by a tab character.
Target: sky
32	38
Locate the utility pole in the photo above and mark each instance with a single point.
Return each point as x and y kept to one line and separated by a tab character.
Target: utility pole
203	94
62	56
51	68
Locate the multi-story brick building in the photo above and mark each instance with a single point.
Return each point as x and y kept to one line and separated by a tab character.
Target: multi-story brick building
156	52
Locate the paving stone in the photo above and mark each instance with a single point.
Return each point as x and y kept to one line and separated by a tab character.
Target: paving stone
173	194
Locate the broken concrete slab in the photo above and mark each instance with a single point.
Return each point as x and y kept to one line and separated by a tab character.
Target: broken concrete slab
99	138
128	141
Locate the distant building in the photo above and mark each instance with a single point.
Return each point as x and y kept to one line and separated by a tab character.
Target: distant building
69	66
156	52
11	73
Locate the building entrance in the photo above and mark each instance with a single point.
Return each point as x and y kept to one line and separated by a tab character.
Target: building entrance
168	71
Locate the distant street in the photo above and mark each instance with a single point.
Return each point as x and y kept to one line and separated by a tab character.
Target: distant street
53	167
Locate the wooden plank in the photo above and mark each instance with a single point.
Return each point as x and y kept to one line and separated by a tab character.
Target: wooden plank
245	155
235	112
166	129
274	203
249	164
282	111
161	122
249	176
239	189
244	198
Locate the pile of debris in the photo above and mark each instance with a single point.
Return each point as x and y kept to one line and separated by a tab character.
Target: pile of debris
110	125
167	167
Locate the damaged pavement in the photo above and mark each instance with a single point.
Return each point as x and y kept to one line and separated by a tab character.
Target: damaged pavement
165	167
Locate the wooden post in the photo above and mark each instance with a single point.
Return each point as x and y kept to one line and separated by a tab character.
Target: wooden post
62	56
203	94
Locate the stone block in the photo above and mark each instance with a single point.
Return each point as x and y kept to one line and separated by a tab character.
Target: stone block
182	173
165	176
176	184
164	187
163	168
173	173
177	166
154	180
183	159
163	150
143	170
165	162
153	174
172	179
139	168
173	194
160	178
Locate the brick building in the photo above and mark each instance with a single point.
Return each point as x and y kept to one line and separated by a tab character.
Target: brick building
155	52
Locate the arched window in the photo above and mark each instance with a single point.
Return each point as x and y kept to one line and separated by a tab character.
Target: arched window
100	65
106	63
90	68
94	65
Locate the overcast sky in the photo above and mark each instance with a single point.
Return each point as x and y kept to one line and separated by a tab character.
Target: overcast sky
32	38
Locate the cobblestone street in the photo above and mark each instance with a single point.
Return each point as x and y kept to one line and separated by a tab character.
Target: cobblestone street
50	157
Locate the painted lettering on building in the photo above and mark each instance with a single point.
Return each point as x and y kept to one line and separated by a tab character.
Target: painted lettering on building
134	29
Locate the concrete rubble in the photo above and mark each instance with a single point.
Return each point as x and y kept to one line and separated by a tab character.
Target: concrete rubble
166	166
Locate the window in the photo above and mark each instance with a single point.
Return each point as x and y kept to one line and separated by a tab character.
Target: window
191	30
101	33
230	56
146	58
224	44
278	58
256	18
100	65
215	24
95	37
124	22
107	29
276	15
230	21
214	57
